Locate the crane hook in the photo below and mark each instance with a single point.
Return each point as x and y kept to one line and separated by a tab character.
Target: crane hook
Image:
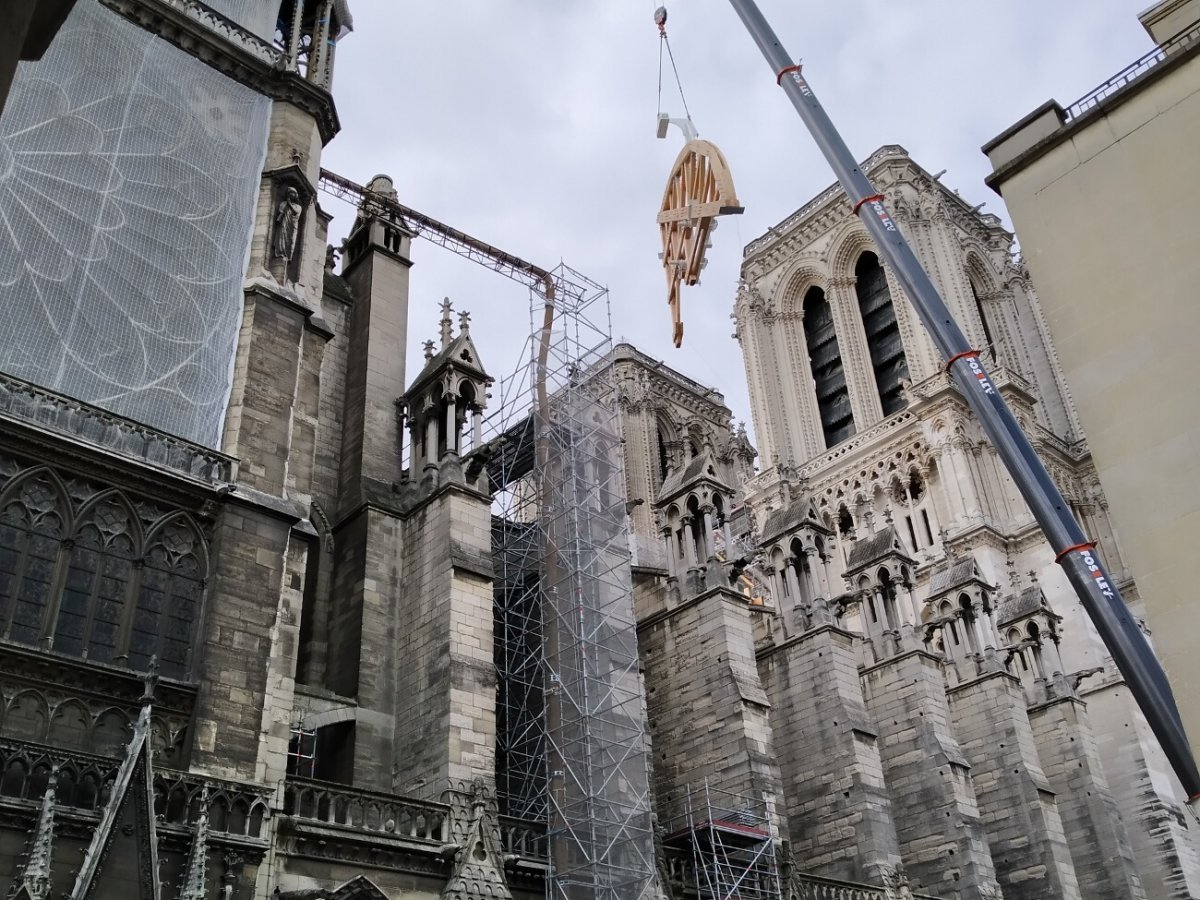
660	19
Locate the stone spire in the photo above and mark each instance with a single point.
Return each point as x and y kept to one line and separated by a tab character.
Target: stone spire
464	322
447	324
195	879
125	843
34	883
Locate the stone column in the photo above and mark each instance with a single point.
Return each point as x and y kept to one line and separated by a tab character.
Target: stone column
476	428
1017	805
431	425
401	424
1095	832
789	570
451	424
669	543
839	810
942	837
700	665
689	545
706	543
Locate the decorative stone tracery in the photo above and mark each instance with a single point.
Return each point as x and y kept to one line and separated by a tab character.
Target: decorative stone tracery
92	573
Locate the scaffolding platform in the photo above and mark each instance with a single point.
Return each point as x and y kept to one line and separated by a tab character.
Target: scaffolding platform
731	844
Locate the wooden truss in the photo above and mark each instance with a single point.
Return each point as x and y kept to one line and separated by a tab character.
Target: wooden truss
699	189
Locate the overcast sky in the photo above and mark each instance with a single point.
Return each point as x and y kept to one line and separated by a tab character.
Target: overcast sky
531	125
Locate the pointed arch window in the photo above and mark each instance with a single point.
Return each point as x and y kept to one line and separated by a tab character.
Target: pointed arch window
100	568
168	602
983	319
88	582
829	377
883	332
34	520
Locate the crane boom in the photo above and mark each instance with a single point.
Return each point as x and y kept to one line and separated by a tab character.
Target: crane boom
1097	591
447	236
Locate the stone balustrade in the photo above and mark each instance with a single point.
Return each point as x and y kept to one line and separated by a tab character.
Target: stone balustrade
49	410
346	807
83	782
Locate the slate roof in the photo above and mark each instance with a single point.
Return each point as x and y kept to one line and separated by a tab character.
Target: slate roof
874	548
336	286
699	468
781	521
1029	601
959	573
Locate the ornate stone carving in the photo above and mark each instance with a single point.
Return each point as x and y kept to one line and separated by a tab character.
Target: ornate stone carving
478	865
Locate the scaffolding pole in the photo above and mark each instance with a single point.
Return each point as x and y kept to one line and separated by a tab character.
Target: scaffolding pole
572	744
729	839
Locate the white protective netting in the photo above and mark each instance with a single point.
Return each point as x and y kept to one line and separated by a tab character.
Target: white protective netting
256	16
128	177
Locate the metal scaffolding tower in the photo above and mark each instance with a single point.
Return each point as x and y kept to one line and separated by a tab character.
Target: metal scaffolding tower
573	745
729	836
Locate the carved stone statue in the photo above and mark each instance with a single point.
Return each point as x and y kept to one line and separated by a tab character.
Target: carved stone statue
287	225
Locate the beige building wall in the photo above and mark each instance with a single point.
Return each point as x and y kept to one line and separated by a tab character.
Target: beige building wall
1105	205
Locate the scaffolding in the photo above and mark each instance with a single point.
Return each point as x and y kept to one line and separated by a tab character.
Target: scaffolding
571	719
572	748
729	839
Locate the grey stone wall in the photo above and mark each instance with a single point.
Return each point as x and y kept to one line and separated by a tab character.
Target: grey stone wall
942	836
838	809
445	697
1018	807
707	711
1093	825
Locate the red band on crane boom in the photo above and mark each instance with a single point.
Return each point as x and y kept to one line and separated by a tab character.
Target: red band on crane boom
1087	545
966	354
871	199
785	70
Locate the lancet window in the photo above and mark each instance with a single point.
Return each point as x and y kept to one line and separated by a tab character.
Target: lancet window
829	376
883	332
100	582
983	319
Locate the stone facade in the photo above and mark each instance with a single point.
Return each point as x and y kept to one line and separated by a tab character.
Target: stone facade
268	667
880	503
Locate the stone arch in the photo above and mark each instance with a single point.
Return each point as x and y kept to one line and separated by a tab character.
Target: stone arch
796	283
335	716
360	887
48	477
111	732
200	547
847	248
114	496
666	436
70	725
975	266
36	516
27	716
169	606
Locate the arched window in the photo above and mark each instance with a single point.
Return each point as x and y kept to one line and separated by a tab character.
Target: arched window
89	583
33	522
987	330
100	566
168	603
664	460
883	333
825	358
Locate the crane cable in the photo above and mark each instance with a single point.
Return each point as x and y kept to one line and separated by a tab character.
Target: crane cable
660	19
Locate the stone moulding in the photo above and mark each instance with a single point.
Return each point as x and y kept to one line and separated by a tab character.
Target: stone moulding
237	811
23	402
198	31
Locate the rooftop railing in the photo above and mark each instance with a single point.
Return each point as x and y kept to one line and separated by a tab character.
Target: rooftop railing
1133	72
